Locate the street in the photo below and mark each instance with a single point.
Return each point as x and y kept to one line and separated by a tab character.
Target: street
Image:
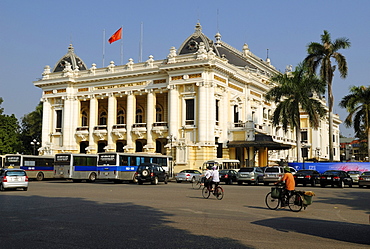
62	214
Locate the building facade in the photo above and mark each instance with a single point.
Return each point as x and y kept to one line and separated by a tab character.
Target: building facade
204	101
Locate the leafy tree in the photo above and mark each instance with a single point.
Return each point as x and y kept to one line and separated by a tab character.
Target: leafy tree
9	133
31	128
357	104
294	93
320	57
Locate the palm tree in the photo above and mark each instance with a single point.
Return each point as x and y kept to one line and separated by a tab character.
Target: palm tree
357	104
321	55
293	94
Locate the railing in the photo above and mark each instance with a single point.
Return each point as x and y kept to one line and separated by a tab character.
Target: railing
119	126
139	125
82	128
100	127
160	124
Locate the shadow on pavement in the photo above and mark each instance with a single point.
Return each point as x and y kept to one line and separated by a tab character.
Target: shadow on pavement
39	222
342	231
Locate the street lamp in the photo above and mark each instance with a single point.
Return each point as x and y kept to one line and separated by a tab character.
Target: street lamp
171	139
34	143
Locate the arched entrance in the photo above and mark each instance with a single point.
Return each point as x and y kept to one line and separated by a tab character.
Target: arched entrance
101	146
83	146
119	145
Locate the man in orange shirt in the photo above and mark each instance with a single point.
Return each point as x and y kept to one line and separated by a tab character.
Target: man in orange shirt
289	183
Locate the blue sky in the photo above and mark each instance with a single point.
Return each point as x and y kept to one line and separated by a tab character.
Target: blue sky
37	33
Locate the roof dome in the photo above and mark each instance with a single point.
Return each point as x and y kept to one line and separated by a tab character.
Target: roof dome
71	58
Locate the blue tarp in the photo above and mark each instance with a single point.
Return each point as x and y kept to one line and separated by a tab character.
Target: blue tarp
322	167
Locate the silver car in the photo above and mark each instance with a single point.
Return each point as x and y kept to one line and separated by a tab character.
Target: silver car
355	175
274	174
250	175
188	175
13	178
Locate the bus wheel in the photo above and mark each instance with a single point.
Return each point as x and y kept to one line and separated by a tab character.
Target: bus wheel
40	176
92	177
134	180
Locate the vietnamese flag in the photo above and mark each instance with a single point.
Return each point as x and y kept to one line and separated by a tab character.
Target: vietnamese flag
116	36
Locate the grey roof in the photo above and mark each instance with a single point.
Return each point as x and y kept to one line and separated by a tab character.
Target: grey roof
72	59
220	48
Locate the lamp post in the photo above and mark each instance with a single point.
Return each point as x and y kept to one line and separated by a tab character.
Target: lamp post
34	143
171	138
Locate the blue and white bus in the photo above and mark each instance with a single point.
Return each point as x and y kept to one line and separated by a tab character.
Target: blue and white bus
37	167
77	167
120	167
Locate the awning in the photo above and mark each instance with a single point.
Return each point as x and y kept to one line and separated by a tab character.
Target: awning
261	141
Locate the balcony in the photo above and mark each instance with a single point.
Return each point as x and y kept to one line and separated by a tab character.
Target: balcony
82	132
119	130
160	128
100	131
139	129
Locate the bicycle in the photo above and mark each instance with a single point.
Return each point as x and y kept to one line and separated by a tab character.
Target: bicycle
218	192
278	196
197	184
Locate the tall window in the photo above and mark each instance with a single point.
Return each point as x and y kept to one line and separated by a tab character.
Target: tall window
139	115
84	119
217	110
304	137
103	118
59	116
189	103
158	113
121	117
236	114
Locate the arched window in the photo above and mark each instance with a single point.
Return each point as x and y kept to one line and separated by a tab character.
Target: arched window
139	115
103	118
158	113
121	116
84	119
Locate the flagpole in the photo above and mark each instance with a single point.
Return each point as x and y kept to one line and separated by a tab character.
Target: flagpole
121	50
103	46
141	43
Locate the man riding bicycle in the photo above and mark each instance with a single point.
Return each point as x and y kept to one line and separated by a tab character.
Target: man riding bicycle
289	183
215	178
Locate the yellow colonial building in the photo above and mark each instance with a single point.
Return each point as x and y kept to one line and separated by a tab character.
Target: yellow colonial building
204	101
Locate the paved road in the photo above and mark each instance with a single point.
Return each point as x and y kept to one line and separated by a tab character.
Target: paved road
61	214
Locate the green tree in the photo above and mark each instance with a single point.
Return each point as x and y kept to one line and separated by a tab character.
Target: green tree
357	104
293	94
320	56
9	133
31	128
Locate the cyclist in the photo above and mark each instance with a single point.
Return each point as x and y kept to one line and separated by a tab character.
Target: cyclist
215	178
208	177
289	183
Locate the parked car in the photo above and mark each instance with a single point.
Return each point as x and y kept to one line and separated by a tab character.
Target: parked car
151	172
189	175
307	176
339	178
354	174
364	179
13	179
274	174
250	175
228	176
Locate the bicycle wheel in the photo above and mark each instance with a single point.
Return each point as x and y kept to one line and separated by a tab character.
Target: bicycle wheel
295	202
219	193
196	185
205	193
272	203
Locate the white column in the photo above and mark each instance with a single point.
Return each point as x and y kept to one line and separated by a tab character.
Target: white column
202	112
47	128
173	114
67	122
112	117
224	116
93	117
150	118
211	114
130	116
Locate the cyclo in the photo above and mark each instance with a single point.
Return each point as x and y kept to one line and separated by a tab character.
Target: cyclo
295	201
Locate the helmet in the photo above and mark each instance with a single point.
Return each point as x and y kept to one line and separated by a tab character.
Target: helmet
287	169
209	167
